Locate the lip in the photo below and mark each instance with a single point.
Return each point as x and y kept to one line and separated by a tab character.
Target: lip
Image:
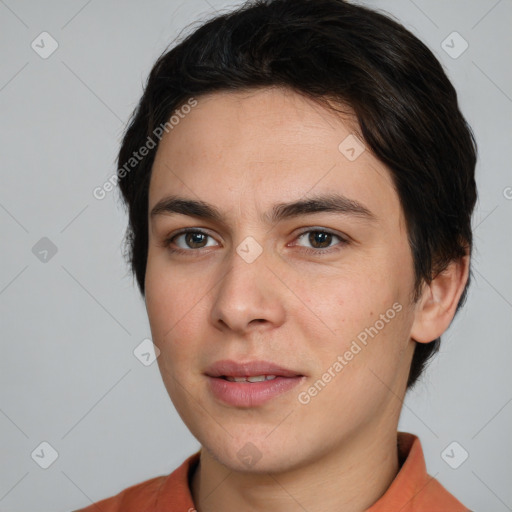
250	394
229	368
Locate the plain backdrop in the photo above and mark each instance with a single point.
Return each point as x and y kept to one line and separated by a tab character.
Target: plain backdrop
71	316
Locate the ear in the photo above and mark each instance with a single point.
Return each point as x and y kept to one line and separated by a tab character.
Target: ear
438	302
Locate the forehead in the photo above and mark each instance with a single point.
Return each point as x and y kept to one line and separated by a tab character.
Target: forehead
245	149
240	120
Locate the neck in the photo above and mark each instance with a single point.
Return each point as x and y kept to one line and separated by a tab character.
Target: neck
350	478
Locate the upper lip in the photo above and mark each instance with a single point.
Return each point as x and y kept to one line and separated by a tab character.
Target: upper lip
229	368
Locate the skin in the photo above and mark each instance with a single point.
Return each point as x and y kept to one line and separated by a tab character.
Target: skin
243	152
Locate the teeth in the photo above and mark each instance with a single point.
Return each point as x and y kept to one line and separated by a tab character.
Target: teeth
255	378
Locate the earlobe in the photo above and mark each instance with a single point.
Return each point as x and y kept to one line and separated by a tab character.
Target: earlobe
438	302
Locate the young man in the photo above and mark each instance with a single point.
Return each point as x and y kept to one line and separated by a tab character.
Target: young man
300	183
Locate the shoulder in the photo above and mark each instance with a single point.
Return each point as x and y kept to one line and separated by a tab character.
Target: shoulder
148	495
130	499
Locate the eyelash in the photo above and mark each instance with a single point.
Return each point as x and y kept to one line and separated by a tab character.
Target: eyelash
310	251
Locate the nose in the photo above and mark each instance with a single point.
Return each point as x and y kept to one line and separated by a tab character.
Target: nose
248	297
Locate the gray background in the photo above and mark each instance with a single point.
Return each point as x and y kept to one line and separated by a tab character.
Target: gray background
70	324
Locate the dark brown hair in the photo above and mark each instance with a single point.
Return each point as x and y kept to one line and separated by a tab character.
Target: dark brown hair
330	51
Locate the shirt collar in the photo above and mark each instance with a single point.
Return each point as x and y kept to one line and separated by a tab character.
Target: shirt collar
412	490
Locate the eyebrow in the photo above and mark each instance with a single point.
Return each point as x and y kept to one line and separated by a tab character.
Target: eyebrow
336	203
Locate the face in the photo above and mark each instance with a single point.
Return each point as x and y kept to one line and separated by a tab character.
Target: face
281	247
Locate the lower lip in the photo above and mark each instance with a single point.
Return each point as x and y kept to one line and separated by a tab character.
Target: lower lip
251	394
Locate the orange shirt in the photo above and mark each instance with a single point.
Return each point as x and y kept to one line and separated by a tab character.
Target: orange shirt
412	490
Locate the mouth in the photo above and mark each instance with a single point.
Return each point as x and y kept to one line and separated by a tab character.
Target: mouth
259	370
250	384
252	378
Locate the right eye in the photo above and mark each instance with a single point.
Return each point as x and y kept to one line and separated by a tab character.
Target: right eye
189	240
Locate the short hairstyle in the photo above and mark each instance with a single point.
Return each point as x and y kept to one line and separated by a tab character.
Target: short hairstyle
332	52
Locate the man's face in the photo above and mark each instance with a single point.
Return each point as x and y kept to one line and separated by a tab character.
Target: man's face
322	293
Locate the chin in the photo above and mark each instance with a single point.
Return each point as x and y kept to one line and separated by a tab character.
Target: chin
256	454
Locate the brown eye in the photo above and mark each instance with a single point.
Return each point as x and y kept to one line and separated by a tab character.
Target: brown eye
190	239
195	239
320	239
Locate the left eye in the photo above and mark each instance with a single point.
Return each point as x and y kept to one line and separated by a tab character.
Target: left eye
319	239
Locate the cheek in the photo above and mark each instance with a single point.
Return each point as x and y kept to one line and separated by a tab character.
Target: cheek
348	302
172	297
178	304
169	308
361	365
360	315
